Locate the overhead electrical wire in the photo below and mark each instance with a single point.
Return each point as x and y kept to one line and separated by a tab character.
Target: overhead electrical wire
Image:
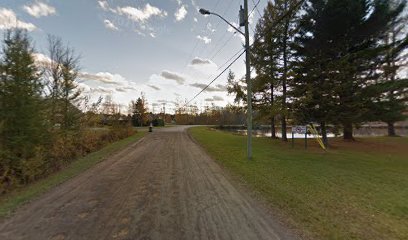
256	7
222	47
197	40
206	27
241	53
226	62
218	76
219	22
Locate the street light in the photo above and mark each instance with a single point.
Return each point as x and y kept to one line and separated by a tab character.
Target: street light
244	22
206	12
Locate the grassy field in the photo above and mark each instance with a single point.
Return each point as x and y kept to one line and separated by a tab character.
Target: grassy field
353	191
11	201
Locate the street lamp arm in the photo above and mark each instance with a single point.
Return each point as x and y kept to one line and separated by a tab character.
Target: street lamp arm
225	20
243	13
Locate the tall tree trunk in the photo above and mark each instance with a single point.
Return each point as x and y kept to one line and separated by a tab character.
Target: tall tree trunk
390	77
284	79
284	132
273	130
391	129
324	134
348	131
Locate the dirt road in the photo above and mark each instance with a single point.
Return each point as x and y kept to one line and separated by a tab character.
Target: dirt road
164	187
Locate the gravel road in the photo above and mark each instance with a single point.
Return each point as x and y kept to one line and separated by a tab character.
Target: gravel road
163	187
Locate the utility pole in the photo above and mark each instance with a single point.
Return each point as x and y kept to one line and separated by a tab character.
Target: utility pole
249	83
243	19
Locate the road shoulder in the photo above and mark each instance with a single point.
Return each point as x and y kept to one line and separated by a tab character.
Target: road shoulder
13	200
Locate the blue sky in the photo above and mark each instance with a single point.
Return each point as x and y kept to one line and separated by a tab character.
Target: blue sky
128	47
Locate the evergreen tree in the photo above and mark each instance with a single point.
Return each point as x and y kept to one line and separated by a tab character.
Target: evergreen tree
272	57
389	106
139	111
21	116
340	52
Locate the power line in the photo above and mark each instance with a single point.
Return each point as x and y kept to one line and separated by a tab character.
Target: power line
256	7
220	67
206	27
197	40
225	11
222	47
219	75
219	22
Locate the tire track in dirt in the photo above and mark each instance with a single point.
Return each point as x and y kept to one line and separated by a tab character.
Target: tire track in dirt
164	187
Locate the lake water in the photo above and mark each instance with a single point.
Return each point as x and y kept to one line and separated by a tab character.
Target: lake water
361	132
263	133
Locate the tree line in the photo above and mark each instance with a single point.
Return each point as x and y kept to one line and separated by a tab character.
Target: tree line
45	119
334	63
189	114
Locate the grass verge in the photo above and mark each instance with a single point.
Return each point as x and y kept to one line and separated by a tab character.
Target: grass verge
353	191
11	201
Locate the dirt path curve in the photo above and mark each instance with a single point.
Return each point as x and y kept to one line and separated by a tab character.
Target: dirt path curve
164	187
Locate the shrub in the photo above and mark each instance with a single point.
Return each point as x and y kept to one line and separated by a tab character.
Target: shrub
63	148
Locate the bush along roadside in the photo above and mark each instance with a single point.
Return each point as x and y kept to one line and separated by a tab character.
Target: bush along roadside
24	193
62	149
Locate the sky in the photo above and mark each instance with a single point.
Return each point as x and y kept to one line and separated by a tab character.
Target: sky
165	49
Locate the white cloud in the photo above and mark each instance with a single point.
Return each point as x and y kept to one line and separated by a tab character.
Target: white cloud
217	88
101	90
110	25
195	19
104	5
39	9
105	82
214	99
8	20
205	39
181	13
173	76
41	60
104	77
154	87
120	89
200	61
141	15
218	98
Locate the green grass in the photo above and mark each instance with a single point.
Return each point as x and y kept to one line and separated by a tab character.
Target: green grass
353	191
11	201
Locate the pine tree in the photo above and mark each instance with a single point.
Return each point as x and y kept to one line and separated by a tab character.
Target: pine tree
138	109
272	57
21	102
340	52
389	106
312	86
